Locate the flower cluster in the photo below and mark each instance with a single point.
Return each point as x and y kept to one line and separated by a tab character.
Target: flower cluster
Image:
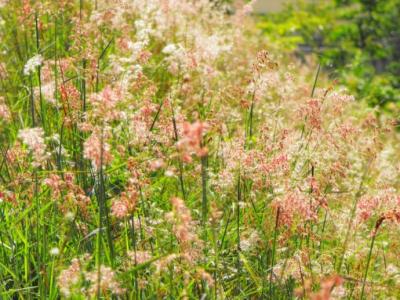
102	279
32	64
125	204
70	195
97	150
294	206
192	140
184	229
5	113
33	138
69	278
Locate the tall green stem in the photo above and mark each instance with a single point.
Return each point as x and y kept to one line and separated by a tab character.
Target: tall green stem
273	253
204	163
368	262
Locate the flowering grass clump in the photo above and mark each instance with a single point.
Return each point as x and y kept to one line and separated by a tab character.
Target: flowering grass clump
155	149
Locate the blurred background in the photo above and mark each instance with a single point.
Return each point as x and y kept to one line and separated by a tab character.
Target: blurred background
357	42
265	6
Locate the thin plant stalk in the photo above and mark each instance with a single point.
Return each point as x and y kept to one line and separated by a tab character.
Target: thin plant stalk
180	161
103	216
204	162
351	219
103	205
368	262
32	101
42	108
251	115
133	234
238	200
38	236
273	253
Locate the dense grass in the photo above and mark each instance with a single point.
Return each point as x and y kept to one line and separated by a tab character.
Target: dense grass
153	149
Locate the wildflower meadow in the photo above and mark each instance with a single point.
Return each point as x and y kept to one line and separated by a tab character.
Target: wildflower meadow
165	149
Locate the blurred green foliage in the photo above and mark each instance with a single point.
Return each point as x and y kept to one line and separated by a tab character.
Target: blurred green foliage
358	42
